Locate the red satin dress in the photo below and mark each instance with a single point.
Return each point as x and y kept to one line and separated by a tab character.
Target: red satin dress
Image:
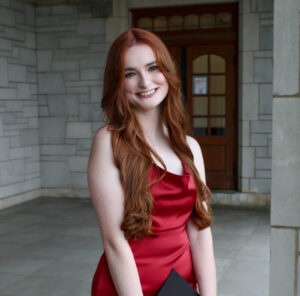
174	199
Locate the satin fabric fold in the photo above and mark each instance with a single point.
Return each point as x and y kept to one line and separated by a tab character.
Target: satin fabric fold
174	198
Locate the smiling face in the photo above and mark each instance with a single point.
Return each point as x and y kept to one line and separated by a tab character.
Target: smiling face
145	85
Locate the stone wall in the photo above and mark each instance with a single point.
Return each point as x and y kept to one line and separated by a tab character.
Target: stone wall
71	53
255	96
19	137
285	206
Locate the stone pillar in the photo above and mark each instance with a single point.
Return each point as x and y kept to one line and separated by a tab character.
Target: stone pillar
285	194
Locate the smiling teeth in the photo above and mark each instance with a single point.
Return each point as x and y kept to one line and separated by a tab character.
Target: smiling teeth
146	93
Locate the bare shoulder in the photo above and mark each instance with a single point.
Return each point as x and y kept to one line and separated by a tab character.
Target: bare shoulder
194	145
198	157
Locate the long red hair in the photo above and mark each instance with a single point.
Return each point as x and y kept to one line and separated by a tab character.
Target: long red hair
132	154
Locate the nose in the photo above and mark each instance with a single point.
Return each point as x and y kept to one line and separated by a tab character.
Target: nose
144	80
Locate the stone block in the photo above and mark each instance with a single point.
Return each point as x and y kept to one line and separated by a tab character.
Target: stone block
16	73
263	163
259	139
248	162
59	54
282	268
43	111
29	137
64	9
250	35
33	122
266	37
29	15
78	163
261	126
89	112
10	118
263	54
91	26
74	42
47	21
14	34
42	100
30	111
30	40
27	56
78	130
96	94
3	72
58	149
286	48
62	105
79	180
260	185
32	167
43	10
1	126
249	102
261	6
52	130
7	16
90	74
20	152
264	174
55	174
266	23
65	65
286	162
84	98
44	60
4	148
261	152
265	98
263	70
47	40
12	171
246	67
51	83
244	132
24	91
77	90
13	106
5	44
92	63
71	76
84	144
8	93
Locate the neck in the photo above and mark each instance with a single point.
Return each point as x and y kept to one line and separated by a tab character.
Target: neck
151	124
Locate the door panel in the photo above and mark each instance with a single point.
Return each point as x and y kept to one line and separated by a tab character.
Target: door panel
211	110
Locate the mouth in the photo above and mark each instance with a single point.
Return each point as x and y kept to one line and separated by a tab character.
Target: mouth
147	93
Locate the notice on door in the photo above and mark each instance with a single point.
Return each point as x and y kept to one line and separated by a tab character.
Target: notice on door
200	84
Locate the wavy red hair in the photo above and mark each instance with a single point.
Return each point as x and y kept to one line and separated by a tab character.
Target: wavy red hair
132	154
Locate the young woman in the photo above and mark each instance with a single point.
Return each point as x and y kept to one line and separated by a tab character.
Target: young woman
146	177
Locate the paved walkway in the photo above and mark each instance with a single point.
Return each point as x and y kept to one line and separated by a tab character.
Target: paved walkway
50	247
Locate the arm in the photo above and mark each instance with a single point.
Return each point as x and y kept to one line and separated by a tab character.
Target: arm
108	199
201	242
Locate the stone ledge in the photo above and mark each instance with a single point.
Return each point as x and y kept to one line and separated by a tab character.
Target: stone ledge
240	199
12	200
65	192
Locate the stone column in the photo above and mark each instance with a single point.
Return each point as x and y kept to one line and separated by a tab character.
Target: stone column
285	194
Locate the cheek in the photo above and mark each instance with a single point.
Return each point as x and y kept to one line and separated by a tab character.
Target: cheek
129	85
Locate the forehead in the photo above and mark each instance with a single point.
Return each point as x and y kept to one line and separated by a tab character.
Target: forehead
138	55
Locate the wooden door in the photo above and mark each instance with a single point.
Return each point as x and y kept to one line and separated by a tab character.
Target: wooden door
203	42
211	110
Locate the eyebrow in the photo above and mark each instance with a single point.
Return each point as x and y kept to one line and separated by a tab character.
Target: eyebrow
149	64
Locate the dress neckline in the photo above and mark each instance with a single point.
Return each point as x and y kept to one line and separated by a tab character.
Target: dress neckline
185	171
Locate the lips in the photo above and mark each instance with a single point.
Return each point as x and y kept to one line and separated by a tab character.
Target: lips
147	93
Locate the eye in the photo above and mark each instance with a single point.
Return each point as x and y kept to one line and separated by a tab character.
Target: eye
129	74
153	68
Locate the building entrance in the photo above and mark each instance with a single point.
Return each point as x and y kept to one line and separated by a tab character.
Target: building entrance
203	42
